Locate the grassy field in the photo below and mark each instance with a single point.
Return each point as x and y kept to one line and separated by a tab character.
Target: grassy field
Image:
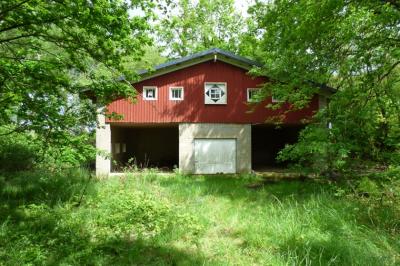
153	219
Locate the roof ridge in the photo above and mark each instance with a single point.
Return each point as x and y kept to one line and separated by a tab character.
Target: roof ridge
214	50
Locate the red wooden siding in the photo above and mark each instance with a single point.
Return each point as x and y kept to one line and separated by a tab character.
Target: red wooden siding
192	108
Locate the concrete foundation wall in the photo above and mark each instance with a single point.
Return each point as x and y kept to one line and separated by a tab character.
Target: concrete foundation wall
190	131
103	144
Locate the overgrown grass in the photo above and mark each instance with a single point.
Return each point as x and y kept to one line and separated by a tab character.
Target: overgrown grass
153	219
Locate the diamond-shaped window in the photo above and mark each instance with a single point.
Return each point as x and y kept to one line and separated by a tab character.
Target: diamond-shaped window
215	93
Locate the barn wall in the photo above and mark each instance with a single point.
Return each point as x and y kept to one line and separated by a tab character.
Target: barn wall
193	109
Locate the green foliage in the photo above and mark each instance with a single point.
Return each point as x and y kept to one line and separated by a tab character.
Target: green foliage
150	58
315	151
43	219
350	46
53	55
75	151
28	150
152	219
187	27
17	151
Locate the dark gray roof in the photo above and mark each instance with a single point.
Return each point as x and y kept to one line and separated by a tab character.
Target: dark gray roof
226	54
212	51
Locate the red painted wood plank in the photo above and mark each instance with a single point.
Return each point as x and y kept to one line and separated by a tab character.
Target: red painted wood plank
193	109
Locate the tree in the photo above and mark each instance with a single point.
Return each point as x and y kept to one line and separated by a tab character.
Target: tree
151	57
351	46
187	26
52	52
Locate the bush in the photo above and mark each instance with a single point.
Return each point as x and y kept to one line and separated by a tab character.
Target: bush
17	152
21	151
67	218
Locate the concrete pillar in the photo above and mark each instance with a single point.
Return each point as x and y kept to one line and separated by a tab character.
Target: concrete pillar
103	146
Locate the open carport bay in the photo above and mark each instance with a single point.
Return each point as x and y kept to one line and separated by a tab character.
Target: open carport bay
267	141
145	146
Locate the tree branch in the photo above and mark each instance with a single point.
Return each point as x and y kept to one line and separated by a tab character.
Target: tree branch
389	71
18	37
393	3
4	12
36	23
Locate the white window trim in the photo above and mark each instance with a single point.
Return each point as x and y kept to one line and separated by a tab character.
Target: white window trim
171	96
248	95
145	88
217	82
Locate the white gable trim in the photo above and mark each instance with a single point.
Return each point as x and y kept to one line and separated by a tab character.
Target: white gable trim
215	57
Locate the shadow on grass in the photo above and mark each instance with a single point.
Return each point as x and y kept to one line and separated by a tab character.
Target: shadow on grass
41	224
43	186
41	240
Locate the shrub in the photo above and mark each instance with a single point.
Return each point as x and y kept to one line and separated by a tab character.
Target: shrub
17	152
21	151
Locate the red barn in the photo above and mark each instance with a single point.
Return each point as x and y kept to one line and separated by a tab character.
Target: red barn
199	113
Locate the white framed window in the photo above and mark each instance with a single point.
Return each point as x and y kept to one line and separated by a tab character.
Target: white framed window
215	93
149	93
176	93
251	93
123	147
276	100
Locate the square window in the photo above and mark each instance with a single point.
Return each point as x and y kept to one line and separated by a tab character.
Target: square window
215	93
176	93
252	95
150	93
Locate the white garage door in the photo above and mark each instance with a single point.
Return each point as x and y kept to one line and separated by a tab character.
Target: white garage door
215	156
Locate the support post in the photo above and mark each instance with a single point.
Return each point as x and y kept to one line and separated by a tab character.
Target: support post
103	145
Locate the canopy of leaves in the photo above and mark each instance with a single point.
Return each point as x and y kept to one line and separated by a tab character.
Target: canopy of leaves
51	52
190	26
352	46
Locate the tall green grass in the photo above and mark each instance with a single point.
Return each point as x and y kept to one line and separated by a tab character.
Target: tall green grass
152	219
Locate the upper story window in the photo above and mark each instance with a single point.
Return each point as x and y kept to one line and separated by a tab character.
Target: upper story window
215	93
176	93
150	93
251	95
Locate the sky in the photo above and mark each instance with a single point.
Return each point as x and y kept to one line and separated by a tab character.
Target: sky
242	5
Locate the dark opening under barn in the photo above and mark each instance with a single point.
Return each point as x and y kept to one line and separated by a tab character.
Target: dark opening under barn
267	141
144	147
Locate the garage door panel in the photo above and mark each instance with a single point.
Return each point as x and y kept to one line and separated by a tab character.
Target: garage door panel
215	156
